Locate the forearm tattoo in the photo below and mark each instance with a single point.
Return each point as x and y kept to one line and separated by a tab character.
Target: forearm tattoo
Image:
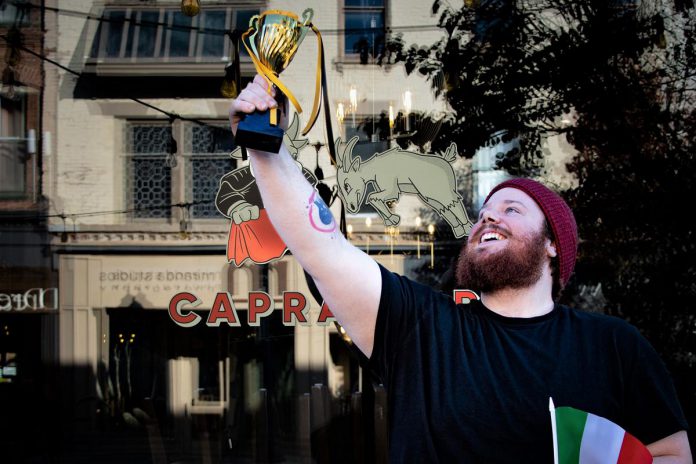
320	216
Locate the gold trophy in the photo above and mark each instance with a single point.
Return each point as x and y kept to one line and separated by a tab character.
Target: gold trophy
272	40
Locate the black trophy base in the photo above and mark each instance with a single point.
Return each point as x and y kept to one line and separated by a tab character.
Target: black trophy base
255	132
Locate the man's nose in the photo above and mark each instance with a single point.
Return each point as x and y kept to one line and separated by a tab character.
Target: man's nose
489	216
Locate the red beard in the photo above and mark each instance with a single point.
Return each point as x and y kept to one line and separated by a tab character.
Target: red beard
518	265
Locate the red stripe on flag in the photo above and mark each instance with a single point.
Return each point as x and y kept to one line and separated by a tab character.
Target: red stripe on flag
633	451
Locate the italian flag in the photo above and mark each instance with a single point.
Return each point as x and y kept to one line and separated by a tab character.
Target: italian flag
583	438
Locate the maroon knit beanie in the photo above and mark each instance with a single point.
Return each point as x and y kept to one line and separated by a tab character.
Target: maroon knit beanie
559	217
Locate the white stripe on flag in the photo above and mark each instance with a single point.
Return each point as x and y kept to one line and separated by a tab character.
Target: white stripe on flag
601	441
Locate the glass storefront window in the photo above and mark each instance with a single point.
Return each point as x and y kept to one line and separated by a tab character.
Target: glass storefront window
205	387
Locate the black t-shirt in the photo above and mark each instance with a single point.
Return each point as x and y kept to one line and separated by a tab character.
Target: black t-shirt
468	385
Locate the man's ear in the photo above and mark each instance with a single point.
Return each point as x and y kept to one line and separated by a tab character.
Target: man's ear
551	249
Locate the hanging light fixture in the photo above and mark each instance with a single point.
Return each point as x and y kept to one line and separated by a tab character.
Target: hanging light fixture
229	89
15	41
13	56
9	81
170	161
190	7
231	83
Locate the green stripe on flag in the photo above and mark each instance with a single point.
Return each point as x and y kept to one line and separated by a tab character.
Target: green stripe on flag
570	425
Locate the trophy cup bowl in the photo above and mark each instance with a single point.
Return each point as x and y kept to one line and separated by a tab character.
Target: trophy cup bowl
272	40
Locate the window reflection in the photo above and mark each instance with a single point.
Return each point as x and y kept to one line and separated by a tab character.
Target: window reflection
206	387
166	33
364	28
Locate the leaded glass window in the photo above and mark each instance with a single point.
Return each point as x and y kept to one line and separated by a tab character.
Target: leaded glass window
149	177
209	160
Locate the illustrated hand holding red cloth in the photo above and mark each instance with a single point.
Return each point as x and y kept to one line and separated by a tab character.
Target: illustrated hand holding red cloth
256	240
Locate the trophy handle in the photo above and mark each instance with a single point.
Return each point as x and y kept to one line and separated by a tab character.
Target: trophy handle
251	38
307	16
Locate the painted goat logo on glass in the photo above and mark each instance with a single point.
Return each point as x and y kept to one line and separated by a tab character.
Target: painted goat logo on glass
396	171
391	173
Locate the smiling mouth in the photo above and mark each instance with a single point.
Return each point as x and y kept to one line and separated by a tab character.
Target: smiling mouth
492	237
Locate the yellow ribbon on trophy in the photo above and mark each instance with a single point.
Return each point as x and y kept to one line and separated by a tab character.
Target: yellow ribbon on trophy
271	76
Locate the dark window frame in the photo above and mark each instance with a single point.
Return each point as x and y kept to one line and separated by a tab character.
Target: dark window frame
127	52
354	56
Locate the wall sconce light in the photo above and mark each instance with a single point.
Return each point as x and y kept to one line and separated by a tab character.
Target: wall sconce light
353	102
392	231
408	105
431	232
340	112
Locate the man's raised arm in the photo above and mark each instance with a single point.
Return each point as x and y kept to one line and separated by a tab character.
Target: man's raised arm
348	279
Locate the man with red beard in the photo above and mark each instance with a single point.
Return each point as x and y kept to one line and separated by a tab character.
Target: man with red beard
471	383
506	253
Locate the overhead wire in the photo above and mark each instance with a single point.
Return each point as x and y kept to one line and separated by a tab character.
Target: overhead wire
64	215
169	114
204	30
